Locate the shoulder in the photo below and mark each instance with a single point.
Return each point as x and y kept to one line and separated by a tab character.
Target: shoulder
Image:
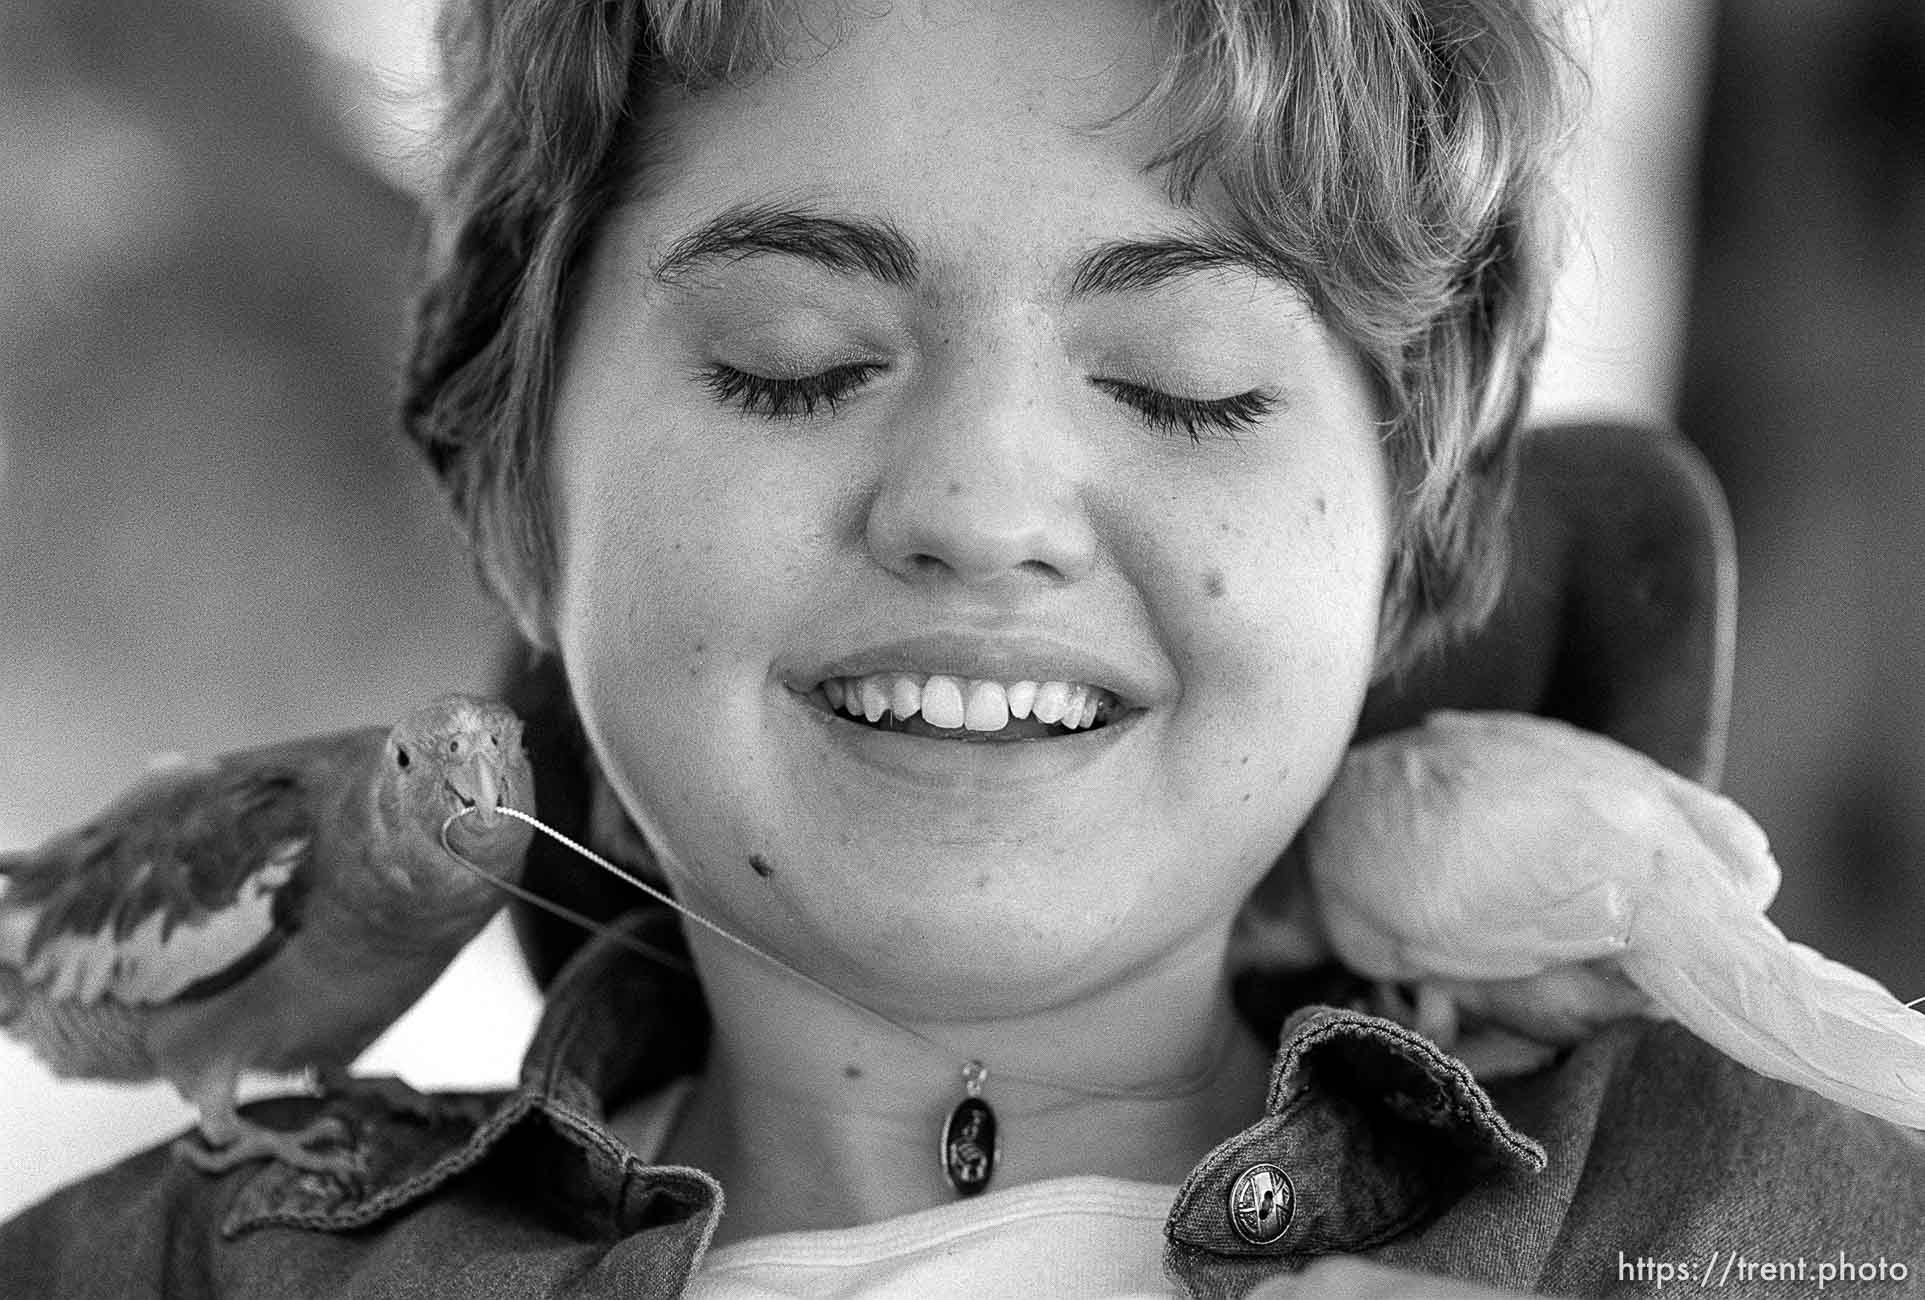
518	1193
155	1225
140	1227
1670	1151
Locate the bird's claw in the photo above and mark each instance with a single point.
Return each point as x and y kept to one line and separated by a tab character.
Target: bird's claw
1492	1053
400	1097
1424	1007
320	1147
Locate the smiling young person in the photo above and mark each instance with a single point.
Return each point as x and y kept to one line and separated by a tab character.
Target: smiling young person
919	365
970	461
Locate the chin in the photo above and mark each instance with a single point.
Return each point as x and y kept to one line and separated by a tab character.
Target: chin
976	938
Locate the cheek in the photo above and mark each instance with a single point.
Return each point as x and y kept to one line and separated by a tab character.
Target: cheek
638	620
1277	596
673	551
683	555
630	605
651	603
1287	585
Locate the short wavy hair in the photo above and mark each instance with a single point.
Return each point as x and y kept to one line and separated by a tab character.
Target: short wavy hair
1398	155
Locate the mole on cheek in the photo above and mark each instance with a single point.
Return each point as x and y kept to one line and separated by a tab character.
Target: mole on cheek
1213	583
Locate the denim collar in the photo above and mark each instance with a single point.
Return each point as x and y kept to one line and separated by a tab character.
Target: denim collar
1368	1130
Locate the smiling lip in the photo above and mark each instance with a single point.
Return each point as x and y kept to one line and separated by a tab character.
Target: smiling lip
945	767
1007	658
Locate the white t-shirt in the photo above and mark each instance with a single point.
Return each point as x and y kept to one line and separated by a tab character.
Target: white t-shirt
1063	1238
1081	1238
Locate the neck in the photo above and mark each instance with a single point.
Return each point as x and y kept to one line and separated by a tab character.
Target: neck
408	908
814	1114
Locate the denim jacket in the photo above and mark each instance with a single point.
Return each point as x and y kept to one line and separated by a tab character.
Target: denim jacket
1641	1157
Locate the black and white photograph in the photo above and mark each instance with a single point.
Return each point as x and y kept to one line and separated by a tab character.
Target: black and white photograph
1091	649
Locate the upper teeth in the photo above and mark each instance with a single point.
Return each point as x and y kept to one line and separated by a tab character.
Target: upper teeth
967	702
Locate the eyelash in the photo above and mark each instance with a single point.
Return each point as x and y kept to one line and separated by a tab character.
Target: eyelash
1196	417
1166	413
785	399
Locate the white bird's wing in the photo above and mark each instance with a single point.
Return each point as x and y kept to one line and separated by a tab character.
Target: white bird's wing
1718	964
1443	852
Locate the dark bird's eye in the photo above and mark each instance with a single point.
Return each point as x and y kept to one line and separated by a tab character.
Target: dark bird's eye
401	759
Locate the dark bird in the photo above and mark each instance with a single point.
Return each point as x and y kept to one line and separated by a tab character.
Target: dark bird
273	909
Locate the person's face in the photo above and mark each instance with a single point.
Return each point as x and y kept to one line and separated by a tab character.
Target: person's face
904	384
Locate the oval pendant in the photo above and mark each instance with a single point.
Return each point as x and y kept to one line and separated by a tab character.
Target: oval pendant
969	1146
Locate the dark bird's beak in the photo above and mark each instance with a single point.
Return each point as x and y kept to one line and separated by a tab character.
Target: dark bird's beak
476	782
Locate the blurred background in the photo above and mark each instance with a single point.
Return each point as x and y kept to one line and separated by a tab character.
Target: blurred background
211	535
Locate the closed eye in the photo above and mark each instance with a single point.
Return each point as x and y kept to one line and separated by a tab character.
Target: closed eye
782	398
1197	417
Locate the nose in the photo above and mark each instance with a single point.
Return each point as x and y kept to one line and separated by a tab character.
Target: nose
982	491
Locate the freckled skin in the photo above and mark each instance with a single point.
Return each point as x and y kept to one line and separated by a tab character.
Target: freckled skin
983	480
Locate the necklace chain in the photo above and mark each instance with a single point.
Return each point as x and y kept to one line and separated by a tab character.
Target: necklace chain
975	1073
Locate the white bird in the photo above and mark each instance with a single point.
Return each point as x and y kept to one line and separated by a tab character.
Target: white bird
1527	867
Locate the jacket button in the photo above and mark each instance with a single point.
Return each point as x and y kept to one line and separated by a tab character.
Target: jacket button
1261	1202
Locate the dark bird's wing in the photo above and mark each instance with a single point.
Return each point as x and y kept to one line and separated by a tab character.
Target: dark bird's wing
184	885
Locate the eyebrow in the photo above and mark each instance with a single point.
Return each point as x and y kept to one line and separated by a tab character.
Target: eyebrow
1136	265
853	246
878	249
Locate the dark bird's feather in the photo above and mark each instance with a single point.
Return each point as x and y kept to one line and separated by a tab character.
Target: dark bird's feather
190	880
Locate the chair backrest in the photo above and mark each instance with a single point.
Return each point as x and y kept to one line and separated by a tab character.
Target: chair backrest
1620	608
1618	615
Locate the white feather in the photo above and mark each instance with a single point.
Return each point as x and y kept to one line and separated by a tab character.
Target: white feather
1500	847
